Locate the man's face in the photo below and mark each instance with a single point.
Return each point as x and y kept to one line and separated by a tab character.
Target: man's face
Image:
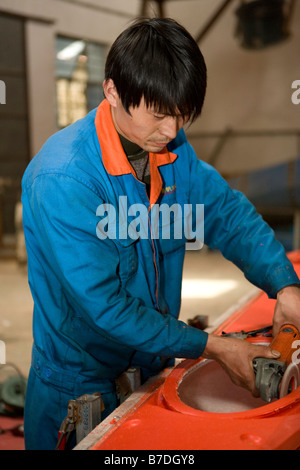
143	126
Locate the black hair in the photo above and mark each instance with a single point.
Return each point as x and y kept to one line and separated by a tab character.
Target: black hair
158	60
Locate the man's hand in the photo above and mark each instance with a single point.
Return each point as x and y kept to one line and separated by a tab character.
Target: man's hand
236	357
287	309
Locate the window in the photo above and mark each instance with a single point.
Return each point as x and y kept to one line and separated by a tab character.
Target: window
14	139
79	77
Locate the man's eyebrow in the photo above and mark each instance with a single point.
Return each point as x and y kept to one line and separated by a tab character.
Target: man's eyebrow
153	111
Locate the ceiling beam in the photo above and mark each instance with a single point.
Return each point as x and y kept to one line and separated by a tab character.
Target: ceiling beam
212	20
160	7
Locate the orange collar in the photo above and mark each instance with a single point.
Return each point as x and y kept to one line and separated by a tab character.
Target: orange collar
114	158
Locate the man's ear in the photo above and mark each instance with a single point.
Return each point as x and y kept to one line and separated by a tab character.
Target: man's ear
110	92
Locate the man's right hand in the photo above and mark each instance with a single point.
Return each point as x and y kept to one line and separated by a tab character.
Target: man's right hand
236	357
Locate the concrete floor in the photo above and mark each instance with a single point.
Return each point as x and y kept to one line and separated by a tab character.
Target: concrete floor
220	285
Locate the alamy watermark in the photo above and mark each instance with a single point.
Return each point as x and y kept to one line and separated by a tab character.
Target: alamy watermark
2	353
2	92
296	94
296	354
163	221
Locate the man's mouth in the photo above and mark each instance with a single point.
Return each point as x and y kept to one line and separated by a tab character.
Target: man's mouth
160	144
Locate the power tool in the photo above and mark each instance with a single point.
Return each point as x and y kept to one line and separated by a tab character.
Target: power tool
277	378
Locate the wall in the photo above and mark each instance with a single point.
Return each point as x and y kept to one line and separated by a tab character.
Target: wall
247	90
90	20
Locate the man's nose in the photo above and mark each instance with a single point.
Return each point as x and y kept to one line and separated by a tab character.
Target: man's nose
170	127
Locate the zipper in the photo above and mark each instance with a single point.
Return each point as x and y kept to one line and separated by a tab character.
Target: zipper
152	243
154	262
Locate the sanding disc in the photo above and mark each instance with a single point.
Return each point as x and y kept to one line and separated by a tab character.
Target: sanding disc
290	380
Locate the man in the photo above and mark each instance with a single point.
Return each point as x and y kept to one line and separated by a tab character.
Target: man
107	298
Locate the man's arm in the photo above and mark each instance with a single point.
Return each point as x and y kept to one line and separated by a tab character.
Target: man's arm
65	220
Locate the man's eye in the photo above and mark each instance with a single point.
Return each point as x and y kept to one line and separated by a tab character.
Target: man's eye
158	117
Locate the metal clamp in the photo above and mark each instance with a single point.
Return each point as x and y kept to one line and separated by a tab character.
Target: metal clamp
84	414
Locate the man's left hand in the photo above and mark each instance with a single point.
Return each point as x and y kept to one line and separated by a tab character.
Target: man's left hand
287	309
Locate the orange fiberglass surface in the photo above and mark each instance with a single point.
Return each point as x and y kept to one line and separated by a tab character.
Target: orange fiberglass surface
195	406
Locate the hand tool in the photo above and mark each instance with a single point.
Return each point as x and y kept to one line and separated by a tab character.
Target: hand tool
277	378
266	331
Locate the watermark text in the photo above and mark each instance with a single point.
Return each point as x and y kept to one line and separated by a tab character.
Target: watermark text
2	353
296	94
2	92
163	221
296	354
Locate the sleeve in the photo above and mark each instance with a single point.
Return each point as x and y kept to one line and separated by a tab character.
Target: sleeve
87	268
232	225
